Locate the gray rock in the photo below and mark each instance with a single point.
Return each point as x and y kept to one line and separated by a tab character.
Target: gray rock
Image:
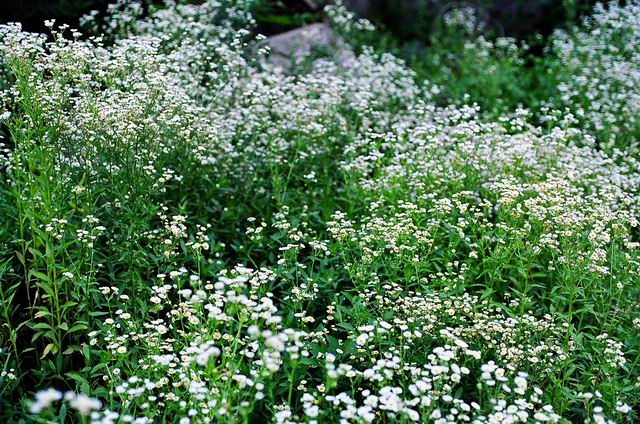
290	47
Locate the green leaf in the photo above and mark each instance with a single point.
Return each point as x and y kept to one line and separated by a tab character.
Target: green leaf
78	327
98	367
86	352
346	326
41	314
63	413
20	257
39	275
35	252
333	343
40	326
47	349
78	378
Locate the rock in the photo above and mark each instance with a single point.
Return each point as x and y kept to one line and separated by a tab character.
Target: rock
289	47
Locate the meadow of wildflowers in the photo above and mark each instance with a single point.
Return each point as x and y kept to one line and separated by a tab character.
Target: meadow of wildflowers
191	235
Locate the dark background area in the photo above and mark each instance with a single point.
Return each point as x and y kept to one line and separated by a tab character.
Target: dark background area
273	16
406	19
33	13
414	19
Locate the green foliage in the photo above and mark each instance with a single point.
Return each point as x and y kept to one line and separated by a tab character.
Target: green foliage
193	236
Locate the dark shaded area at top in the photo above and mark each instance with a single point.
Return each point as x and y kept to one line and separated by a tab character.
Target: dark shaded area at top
406	19
273	16
414	19
32	13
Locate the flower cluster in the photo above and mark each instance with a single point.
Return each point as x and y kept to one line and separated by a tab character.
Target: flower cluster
201	238
600	73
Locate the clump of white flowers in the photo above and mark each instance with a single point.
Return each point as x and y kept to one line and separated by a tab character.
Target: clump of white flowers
203	239
600	72
83	404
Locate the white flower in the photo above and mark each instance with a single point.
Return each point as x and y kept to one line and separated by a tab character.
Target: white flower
44	399
84	404
623	408
361	340
312	411
413	415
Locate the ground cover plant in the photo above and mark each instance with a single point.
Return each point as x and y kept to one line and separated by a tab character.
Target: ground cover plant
191	235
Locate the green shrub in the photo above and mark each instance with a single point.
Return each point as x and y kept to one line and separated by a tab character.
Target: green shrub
193	236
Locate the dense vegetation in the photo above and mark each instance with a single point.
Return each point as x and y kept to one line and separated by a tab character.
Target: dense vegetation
191	235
